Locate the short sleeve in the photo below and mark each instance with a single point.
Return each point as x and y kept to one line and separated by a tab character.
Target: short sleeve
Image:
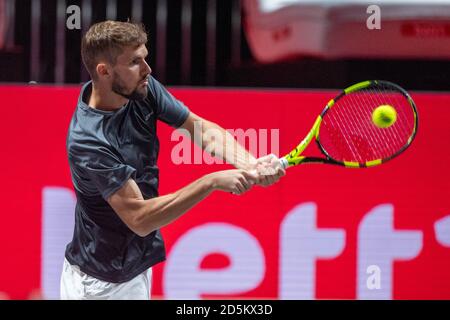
169	109
103	170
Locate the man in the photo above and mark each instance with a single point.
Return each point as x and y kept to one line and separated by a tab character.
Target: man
113	149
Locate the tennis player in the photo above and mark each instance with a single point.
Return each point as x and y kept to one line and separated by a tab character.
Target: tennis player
113	150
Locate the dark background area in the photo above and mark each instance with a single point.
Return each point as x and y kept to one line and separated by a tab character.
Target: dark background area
302	72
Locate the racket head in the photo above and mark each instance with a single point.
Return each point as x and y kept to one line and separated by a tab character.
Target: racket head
346	134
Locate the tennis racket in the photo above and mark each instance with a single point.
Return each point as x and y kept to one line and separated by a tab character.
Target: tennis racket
347	135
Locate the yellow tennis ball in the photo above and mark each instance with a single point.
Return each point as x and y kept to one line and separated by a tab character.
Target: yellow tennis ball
384	116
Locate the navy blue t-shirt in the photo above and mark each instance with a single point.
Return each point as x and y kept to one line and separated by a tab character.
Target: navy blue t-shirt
105	149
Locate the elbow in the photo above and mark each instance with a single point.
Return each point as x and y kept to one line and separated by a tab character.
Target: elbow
139	231
143	233
140	226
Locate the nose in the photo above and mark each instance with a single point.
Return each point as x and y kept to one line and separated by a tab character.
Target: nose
147	68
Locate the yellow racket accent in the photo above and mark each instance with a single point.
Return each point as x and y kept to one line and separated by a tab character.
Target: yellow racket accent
357	86
351	164
373	163
295	161
293	157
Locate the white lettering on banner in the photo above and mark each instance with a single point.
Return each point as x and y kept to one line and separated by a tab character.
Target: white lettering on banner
301	244
379	244
442	231
58	207
183	278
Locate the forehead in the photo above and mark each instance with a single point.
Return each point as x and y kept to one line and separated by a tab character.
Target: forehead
130	53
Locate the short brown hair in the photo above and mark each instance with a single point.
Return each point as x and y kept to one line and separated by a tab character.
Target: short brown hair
107	40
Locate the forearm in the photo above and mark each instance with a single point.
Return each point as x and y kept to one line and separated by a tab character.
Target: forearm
221	144
158	212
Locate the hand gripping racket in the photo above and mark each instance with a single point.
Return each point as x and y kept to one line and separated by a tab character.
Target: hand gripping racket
366	125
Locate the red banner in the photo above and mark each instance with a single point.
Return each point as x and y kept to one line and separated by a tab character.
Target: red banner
322	232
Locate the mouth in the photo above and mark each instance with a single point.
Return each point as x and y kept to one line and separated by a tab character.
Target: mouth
144	82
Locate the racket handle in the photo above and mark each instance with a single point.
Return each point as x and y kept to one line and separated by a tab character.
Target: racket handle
284	163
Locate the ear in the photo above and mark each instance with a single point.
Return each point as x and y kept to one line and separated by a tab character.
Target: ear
102	70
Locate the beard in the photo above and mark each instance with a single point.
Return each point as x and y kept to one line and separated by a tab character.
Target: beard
119	87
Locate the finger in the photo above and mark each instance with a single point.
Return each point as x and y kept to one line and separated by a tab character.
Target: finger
265	181
275	162
281	172
266	170
260	179
240	187
254	173
251	176
246	184
271	180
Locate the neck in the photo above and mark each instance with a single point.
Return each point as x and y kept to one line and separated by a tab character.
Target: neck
103	98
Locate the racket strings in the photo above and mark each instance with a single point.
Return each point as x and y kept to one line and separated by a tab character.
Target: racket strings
400	127
358	120
375	136
336	134
347	132
388	140
345	126
380	139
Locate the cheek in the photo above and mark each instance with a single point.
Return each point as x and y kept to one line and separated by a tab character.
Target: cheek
135	70
129	74
134	76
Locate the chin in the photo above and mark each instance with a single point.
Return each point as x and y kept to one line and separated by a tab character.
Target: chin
138	94
143	92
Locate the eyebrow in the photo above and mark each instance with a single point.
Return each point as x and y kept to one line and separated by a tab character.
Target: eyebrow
139	57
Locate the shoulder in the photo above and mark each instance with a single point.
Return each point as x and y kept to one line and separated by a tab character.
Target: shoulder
154	85
157	91
85	131
86	147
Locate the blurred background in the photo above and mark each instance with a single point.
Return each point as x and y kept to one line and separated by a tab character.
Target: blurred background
252	43
263	65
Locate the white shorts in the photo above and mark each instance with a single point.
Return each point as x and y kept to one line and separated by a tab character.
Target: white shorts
77	285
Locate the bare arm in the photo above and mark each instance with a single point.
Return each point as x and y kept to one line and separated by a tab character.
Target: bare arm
218	142
145	216
221	144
